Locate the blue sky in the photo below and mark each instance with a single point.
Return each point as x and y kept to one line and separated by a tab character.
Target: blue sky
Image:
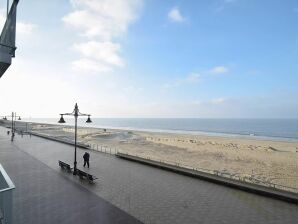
152	58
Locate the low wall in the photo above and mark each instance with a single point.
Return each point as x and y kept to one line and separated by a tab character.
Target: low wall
80	145
249	187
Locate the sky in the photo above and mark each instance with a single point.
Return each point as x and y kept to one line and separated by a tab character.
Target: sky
152	58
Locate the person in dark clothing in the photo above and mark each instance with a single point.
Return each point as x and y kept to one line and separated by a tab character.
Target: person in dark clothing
86	159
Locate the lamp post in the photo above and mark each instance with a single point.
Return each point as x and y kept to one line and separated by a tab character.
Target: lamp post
13	121
76	113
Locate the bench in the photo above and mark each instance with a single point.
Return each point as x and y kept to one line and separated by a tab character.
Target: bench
64	165
88	176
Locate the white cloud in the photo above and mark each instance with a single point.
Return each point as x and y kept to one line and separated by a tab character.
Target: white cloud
101	21
219	70
23	28
103	18
88	65
175	15
106	52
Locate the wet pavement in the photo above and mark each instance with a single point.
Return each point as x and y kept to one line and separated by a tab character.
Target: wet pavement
130	189
43	196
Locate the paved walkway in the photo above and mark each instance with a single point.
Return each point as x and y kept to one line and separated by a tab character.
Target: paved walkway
44	196
158	196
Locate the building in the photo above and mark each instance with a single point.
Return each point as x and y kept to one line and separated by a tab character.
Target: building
8	37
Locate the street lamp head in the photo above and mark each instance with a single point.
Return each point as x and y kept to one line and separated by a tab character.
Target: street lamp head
88	120
61	119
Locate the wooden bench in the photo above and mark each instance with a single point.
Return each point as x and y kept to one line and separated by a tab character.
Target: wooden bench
65	166
88	176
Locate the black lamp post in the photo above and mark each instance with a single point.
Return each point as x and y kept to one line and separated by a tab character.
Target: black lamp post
14	116
76	113
13	125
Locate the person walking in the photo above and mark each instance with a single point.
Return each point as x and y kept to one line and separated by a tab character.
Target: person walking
86	159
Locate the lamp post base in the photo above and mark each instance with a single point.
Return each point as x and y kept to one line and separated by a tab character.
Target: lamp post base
75	168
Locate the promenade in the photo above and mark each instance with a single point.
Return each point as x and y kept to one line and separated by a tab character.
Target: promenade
125	192
43	196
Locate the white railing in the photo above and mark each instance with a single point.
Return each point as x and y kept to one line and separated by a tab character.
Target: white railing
6	190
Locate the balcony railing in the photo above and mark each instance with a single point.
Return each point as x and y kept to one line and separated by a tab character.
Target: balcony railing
6	190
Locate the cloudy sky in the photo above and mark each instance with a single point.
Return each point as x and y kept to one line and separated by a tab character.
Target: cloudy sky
152	58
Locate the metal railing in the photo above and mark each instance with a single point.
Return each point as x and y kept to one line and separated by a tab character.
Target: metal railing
6	191
235	176
104	149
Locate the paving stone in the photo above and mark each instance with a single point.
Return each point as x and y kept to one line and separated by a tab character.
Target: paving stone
157	196
42	195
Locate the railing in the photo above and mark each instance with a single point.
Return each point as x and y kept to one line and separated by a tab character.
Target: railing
235	176
104	149
6	190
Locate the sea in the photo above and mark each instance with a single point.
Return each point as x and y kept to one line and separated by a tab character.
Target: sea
273	129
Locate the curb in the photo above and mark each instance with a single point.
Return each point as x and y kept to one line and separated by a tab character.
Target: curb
80	145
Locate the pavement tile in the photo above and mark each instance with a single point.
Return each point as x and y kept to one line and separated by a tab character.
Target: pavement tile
157	196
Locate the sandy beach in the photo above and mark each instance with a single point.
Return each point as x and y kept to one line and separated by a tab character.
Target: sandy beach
265	160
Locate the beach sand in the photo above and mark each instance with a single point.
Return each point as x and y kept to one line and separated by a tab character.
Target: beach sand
266	160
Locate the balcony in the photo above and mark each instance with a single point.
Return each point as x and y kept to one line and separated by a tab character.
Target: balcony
8	37
6	191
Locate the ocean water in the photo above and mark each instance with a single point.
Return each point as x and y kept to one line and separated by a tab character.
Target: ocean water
286	129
